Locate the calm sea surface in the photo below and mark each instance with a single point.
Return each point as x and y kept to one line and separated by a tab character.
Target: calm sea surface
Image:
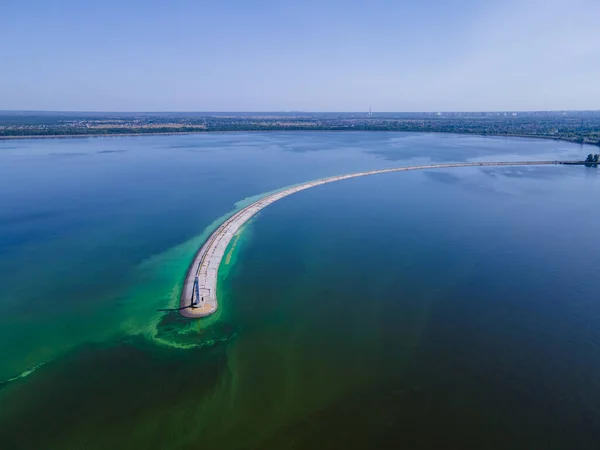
440	309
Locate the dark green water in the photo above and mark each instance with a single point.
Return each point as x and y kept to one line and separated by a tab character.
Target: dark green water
441	309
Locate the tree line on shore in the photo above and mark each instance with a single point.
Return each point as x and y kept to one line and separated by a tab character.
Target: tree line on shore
592	160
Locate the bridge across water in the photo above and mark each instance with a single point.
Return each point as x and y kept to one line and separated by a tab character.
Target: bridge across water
199	293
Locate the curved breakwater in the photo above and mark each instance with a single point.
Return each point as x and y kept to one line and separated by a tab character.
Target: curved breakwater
201	301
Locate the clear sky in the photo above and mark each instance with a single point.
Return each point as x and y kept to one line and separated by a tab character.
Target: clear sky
310	55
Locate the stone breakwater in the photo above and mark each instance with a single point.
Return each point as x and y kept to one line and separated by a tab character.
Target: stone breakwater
207	260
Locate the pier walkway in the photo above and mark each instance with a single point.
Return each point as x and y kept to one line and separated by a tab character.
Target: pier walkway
205	267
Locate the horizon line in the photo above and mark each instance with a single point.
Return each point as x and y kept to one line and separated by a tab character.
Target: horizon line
294	111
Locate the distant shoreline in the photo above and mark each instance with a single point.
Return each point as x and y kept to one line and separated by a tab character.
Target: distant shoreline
168	133
69	136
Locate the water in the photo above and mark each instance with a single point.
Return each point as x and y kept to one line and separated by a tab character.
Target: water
441	309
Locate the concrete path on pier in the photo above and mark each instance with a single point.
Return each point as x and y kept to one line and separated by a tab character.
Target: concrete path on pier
207	260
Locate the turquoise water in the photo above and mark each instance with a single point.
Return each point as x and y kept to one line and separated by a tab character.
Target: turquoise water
450	308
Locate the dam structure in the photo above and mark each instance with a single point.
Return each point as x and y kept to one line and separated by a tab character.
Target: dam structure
199	292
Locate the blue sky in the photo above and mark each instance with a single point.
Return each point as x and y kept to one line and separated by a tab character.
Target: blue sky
328	55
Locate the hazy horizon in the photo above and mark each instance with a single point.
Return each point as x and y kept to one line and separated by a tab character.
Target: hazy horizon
83	111
317	56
